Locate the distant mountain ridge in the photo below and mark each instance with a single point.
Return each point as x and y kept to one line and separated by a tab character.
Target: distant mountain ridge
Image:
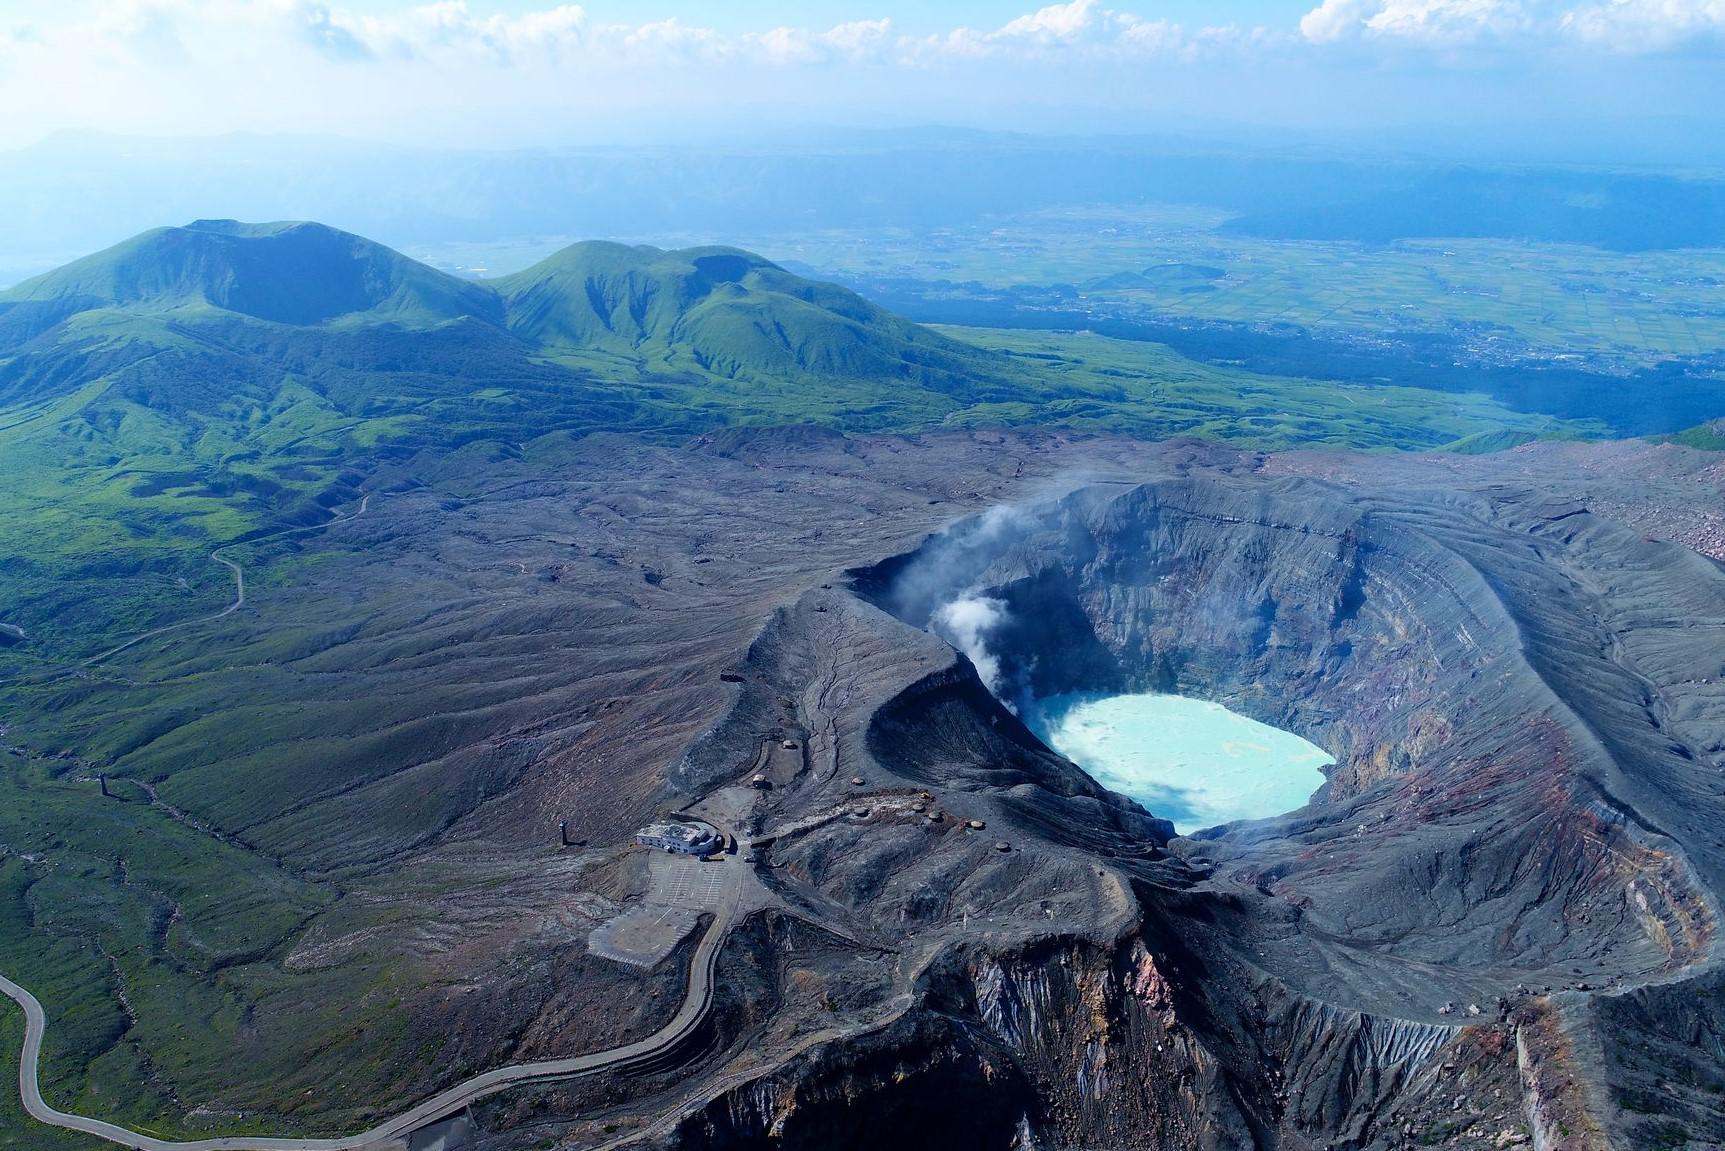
288	273
715	310
196	384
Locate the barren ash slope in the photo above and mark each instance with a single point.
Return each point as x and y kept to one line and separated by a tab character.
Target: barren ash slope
323	878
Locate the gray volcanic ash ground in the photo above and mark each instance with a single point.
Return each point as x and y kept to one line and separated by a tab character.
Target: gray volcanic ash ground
1493	926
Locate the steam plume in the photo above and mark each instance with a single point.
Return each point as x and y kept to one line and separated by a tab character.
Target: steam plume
965	624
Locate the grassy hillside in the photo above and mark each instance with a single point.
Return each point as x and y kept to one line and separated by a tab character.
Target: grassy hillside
731	314
199	385
289	273
18	1132
1708	437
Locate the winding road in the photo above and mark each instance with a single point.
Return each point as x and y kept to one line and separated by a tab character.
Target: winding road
239	582
694	1009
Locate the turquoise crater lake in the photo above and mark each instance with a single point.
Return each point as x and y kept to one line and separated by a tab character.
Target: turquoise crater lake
1189	761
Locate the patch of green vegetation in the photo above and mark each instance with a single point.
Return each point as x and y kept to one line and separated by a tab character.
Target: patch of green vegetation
19	1132
1708	437
155	947
1149	390
1441	1130
1481	443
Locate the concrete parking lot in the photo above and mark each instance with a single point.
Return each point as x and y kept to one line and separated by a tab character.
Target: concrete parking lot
682	888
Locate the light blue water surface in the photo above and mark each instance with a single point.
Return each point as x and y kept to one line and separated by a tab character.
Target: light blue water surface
1188	760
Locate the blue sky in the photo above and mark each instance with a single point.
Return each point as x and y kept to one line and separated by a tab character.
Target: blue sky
929	16
540	72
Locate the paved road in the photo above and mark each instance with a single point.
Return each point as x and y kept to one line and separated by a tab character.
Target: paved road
693	1010
239	583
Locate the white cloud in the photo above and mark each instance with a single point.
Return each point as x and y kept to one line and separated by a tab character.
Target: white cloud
452	32
1080	31
150	66
1446	20
1057	22
1420	21
446	30
663	38
1154	35
853	40
1647	25
1334	19
789	46
859	37
1620	26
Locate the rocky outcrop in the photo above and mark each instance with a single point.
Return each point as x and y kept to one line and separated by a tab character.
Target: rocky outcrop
1068	1044
921	1082
1659	1072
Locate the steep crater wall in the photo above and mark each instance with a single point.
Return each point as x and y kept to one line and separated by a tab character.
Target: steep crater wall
1288	603
1470	820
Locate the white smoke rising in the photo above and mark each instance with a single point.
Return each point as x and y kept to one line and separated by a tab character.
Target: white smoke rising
945	588
949	567
965	624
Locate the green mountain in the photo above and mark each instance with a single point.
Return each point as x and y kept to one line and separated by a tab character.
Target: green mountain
202	384
286	273
713	311
728	312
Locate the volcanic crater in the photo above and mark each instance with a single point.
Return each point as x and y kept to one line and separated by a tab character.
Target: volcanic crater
1494	923
1514	831
1443	665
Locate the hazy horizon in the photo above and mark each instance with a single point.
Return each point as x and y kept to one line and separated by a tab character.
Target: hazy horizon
421	123
519	74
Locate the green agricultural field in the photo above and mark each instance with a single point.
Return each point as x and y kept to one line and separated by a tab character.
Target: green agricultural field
1564	299
1150	390
1561	298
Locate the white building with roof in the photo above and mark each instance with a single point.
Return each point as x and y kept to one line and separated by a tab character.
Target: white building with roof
680	837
